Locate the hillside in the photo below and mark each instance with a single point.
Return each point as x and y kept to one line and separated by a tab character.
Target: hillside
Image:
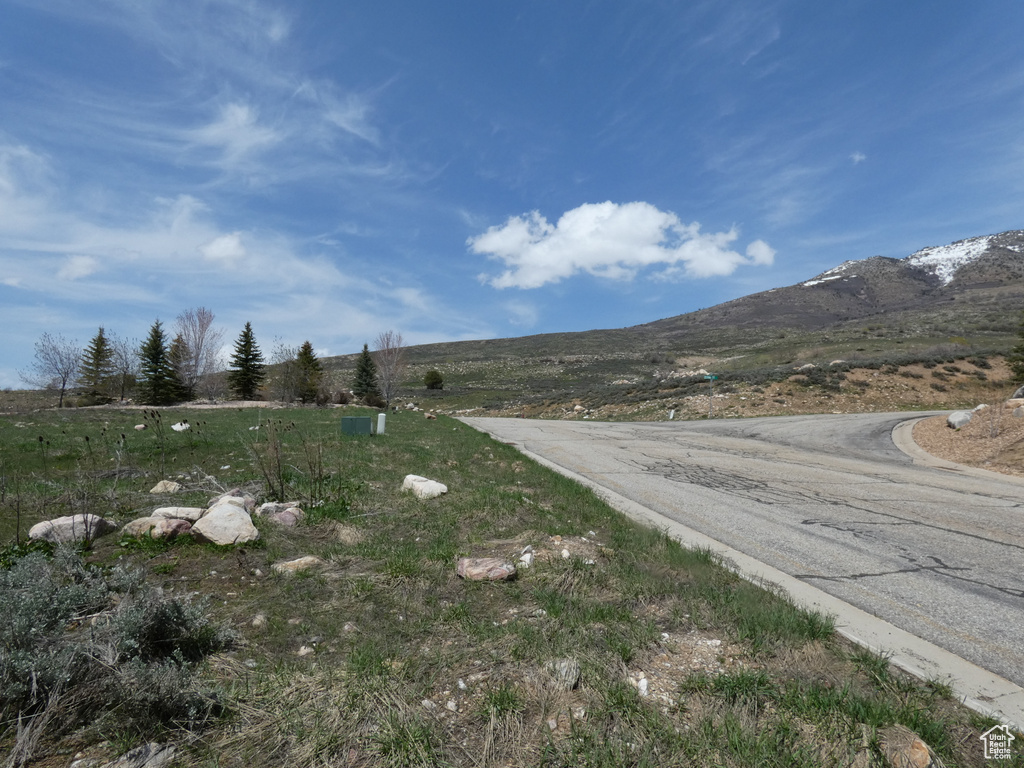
867	320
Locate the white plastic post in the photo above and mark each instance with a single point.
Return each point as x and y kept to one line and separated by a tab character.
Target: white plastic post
380	423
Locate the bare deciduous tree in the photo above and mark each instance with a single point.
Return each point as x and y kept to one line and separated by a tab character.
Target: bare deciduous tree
200	345
124	364
284	371
56	363
390	360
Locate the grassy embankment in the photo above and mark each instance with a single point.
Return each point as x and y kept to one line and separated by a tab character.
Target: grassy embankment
382	656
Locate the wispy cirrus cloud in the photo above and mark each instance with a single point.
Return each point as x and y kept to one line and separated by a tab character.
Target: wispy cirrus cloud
613	241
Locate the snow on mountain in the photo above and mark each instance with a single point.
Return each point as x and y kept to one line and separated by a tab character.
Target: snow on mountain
943	261
832	274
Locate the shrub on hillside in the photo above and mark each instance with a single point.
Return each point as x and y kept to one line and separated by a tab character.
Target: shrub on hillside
96	646
433	379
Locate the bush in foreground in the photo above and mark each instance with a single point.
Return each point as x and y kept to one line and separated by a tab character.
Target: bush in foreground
85	646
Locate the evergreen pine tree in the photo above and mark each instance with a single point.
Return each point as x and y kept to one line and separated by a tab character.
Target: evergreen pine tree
158	385
310	373
1016	357
247	370
365	382
179	357
97	368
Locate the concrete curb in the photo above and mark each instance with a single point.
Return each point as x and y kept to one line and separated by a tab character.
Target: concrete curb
978	688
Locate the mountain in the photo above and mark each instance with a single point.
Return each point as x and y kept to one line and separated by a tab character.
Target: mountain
972	289
954	305
973	285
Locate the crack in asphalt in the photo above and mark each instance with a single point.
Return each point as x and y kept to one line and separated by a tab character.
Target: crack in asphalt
940	568
761	492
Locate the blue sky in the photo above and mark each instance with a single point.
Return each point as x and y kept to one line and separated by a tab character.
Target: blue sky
465	170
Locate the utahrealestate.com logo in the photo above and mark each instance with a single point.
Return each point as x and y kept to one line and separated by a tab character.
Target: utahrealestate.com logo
997	742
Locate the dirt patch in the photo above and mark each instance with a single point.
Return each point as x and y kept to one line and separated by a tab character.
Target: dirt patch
993	440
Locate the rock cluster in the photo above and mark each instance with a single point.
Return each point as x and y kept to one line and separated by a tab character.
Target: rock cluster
226	520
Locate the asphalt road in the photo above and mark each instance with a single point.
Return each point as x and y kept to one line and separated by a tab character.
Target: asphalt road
830	501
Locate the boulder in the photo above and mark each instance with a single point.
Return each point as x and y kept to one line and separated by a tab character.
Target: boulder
297	565
140	526
166	486
903	748
224	524
72	528
270	507
236	496
1019	411
959	419
178	513
287	517
485	569
1018	394
170	528
423	488
140	427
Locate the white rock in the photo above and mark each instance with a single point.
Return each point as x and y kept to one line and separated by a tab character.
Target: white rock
260	621
181	426
526	560
72	528
178	513
959	419
565	554
297	565
225	524
422	488
166	486
306	650
140	427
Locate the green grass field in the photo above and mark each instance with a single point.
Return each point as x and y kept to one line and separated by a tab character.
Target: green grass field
624	650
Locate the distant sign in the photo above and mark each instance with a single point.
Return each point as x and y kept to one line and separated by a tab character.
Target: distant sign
710	378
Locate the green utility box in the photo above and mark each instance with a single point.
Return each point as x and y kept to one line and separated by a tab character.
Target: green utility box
356	425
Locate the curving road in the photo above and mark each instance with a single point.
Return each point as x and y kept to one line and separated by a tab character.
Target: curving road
831	502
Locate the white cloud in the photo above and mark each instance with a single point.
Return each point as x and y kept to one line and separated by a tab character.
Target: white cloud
236	132
611	241
226	248
858	157
77	267
522	314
